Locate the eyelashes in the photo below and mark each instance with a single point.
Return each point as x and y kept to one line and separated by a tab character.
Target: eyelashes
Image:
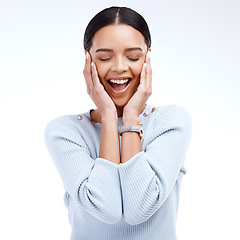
133	59
104	59
107	59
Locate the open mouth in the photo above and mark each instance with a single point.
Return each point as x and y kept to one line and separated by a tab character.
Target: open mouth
119	85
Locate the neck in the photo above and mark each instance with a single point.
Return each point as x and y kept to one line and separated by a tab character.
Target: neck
119	111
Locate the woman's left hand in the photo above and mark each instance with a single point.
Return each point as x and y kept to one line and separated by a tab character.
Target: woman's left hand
136	104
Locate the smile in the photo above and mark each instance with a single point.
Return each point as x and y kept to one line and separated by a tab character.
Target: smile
118	81
119	85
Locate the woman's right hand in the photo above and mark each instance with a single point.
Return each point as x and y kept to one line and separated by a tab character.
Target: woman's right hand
109	144
96	91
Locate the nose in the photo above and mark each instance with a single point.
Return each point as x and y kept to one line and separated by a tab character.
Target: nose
120	65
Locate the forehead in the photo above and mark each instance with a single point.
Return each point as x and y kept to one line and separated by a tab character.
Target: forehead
118	37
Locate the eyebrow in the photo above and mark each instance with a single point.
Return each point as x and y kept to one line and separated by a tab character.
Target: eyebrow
127	50
134	49
104	50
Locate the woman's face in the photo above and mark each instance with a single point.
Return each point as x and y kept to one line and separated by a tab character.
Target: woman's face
119	52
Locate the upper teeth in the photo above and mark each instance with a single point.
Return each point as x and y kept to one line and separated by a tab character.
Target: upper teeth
119	81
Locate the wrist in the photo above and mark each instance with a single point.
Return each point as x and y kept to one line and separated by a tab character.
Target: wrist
109	116
130	120
131	128
110	121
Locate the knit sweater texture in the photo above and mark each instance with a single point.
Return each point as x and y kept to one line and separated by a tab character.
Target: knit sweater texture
136	200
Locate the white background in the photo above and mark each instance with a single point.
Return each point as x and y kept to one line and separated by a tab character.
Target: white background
195	60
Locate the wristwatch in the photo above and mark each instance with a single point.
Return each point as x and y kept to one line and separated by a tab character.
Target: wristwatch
131	128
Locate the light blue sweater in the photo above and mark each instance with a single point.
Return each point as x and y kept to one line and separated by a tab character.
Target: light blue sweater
137	200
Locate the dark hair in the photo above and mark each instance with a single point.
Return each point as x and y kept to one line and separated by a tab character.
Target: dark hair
116	15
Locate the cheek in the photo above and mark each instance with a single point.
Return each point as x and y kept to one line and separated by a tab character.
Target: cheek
102	70
138	69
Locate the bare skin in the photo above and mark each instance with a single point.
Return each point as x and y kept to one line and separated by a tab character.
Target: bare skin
118	59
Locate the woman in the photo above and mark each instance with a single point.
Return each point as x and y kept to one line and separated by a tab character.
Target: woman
122	163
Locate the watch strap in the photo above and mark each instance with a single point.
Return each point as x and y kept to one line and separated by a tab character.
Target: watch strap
131	128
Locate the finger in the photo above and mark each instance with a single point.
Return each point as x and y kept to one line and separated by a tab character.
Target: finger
88	73
95	78
143	75
86	67
149	71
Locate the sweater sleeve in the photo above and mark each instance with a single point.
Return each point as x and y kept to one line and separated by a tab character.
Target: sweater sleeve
93	182
149	177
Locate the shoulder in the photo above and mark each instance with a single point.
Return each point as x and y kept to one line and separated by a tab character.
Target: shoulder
172	114
67	126
168	114
166	118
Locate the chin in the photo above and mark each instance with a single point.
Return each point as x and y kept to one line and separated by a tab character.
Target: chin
120	103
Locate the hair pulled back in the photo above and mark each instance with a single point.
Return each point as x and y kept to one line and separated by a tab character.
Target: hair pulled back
115	16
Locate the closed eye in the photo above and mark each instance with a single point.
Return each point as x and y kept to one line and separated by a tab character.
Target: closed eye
104	59
133	59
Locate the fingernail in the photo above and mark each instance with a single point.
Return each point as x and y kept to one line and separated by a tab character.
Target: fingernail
149	54
145	65
87	55
92	63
